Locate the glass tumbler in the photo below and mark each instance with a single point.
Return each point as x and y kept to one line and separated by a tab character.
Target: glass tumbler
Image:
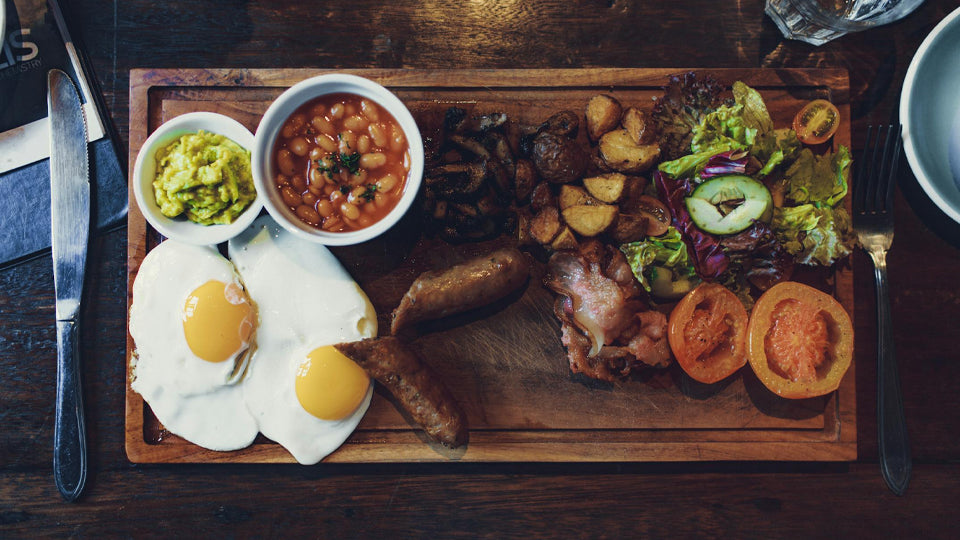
819	21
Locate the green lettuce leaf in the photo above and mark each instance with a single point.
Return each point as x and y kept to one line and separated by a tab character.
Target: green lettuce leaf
814	234
755	114
775	147
724	126
690	165
818	179
745	125
737	124
653	256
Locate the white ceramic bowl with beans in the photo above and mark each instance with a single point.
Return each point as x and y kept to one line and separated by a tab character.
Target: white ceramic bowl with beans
264	156
145	168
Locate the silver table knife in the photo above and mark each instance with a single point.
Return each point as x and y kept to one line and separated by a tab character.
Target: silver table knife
70	230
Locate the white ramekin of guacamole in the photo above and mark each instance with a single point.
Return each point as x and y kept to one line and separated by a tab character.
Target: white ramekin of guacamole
192	179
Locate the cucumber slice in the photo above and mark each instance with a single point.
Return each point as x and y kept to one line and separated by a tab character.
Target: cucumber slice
729	204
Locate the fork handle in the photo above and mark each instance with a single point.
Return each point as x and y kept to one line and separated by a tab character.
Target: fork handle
895	463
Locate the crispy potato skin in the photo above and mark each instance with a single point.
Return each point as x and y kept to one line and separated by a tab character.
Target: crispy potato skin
621	153
564	123
558	158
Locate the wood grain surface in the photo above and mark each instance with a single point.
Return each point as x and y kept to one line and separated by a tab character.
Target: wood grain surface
505	364
492	500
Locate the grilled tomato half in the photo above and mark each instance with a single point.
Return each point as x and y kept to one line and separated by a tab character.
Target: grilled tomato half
708	333
799	341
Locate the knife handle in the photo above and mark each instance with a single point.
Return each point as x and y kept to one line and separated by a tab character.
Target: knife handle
69	434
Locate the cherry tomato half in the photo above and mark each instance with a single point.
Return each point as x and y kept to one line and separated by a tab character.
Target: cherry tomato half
816	122
708	333
799	341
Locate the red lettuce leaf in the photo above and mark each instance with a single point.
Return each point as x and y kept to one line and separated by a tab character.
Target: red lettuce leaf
762	257
732	162
685	100
705	250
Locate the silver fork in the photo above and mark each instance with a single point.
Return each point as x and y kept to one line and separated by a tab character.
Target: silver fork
873	221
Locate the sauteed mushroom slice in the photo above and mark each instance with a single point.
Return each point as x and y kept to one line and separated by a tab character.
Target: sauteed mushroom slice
457	181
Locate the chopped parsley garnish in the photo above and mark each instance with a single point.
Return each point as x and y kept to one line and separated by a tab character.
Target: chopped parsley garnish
349	162
370	193
329	171
344	189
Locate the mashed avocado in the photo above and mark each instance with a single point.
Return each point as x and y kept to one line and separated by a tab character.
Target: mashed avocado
205	176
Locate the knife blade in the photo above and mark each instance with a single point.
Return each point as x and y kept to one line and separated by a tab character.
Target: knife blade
70	230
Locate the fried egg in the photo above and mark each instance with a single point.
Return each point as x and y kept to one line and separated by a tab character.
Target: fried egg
194	327
302	392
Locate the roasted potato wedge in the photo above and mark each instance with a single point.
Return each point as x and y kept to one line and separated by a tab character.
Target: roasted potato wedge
575	196
603	114
525	178
597	165
524	218
633	189
545	226
621	153
636	124
558	159
565	240
590	220
564	123
608	187
542	197
629	228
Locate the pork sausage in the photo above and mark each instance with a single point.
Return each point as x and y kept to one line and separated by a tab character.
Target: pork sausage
415	385
466	286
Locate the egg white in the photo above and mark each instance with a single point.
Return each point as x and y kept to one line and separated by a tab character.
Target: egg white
305	300
192	398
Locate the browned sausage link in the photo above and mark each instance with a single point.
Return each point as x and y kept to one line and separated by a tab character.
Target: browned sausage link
475	283
417	387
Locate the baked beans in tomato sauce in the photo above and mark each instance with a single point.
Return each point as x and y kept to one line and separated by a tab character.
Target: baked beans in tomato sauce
341	162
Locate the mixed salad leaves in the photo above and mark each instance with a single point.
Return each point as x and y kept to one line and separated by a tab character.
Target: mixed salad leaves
748	201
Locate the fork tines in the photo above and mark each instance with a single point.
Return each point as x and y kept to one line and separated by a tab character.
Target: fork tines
877	170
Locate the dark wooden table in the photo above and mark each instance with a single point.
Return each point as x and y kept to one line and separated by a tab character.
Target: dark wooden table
497	500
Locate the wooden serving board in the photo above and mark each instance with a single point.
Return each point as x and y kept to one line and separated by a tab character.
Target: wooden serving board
505	363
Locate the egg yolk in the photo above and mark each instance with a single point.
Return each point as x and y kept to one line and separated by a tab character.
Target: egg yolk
329	385
218	321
